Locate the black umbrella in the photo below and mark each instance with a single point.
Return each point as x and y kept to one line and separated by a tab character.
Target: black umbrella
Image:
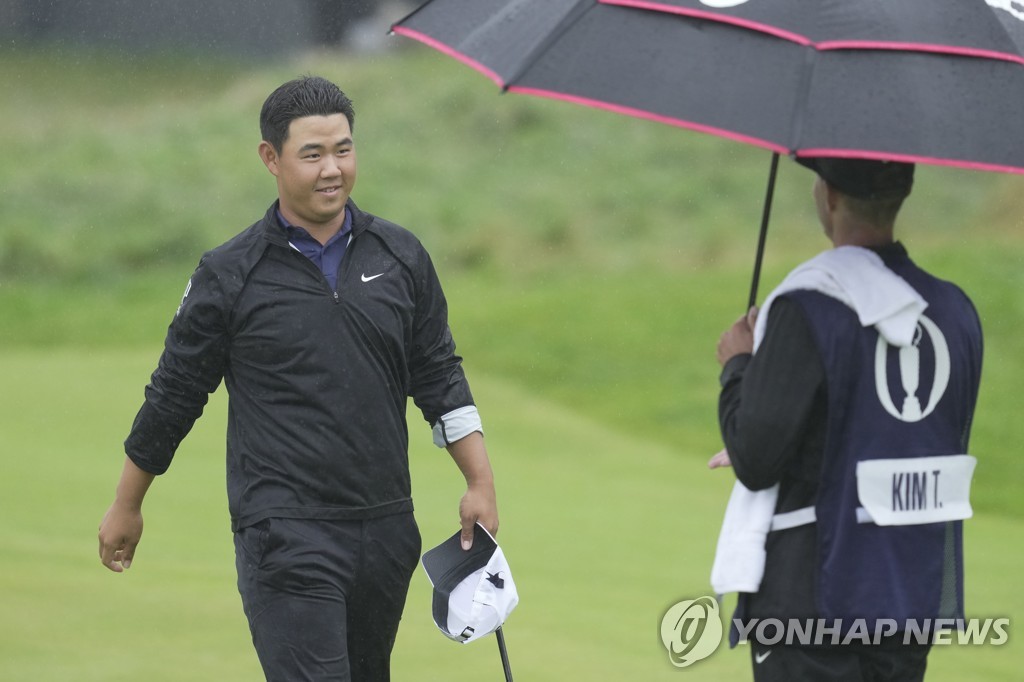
932	81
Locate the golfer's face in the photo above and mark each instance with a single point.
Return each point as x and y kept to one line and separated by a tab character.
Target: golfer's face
316	169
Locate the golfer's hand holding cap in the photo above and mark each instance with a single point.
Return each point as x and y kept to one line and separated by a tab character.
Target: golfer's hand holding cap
478	505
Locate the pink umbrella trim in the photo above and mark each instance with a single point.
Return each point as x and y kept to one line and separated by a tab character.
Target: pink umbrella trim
804	40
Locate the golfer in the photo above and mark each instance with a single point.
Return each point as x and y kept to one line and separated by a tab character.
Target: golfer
855	412
321	319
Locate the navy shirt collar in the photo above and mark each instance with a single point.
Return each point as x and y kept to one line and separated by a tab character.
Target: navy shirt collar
296	233
326	257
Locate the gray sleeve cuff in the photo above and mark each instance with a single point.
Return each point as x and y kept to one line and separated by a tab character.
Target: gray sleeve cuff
456	425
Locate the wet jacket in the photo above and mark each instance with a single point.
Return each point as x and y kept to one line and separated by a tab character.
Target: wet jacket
317	379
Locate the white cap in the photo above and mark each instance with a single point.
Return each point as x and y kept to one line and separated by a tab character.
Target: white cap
473	589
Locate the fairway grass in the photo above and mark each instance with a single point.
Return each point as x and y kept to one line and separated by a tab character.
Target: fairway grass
603	529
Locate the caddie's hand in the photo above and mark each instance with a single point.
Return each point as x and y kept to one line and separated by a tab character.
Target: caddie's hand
737	339
120	532
478	504
720	459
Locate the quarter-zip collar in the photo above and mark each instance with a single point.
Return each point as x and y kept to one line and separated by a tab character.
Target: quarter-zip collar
276	233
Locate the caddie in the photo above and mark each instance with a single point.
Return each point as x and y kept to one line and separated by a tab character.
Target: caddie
845	408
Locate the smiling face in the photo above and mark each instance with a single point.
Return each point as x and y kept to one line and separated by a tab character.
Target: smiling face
315	170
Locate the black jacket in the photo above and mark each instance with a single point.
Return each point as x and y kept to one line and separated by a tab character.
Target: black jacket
317	379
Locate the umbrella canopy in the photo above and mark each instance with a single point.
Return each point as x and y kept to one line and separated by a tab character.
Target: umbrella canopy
932	81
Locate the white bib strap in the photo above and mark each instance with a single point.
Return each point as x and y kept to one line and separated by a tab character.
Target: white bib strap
807	515
792	519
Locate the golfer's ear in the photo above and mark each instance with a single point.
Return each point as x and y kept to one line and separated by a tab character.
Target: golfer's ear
269	156
832	196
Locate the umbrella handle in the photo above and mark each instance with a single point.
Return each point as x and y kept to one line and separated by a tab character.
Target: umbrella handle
504	654
762	237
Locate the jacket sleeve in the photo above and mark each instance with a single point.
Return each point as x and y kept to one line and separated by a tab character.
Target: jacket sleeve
438	384
768	400
190	368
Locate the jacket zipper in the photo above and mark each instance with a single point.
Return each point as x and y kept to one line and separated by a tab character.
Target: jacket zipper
323	278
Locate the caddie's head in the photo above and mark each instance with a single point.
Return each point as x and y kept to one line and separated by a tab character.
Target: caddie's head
864	193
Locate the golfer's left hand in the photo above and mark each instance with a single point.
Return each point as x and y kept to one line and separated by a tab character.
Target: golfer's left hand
737	339
478	504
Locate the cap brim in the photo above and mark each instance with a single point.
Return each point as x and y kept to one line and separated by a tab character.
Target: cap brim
448	564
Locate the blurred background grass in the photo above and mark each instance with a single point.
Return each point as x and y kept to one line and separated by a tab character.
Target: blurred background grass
590	261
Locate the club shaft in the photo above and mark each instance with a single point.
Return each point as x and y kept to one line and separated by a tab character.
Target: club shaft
504	654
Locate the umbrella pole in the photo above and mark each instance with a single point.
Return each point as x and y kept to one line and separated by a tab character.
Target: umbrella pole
504	654
764	229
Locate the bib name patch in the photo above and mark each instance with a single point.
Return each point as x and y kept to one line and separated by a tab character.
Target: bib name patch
908	491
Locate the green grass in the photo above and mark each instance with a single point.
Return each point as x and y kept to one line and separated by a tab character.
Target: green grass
591	262
604	531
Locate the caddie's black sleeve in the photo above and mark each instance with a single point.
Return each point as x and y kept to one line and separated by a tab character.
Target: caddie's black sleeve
190	368
438	384
768	400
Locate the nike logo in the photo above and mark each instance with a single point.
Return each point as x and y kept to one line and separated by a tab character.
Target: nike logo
759	657
370	278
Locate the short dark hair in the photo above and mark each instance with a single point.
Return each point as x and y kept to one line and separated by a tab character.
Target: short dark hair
305	96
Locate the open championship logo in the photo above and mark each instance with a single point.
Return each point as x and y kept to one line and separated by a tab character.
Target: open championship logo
691	630
910	373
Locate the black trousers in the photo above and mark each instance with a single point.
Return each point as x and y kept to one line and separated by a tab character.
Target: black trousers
324	598
888	661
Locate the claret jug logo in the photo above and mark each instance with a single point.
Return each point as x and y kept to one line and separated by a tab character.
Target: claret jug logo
691	630
903	376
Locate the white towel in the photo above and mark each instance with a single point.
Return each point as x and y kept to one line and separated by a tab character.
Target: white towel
857	277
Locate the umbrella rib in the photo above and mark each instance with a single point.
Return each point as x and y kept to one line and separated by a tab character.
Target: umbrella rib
918	47
581	8
803	95
711	16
